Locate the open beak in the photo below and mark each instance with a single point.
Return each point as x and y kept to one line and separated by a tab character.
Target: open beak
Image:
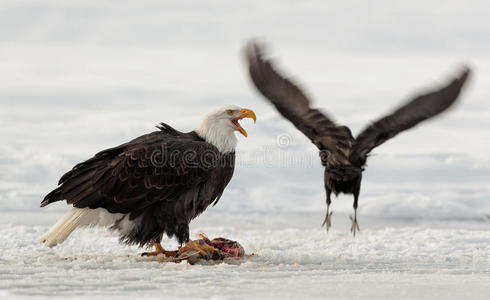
246	113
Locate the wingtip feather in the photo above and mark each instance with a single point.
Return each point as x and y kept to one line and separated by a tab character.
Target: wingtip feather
465	73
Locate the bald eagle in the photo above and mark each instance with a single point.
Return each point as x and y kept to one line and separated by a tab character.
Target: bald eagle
343	156
153	185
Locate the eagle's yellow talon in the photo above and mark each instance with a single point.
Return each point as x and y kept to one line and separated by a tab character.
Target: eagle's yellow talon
159	250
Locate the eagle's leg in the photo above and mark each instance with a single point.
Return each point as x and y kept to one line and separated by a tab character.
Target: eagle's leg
355	227
328	216
159	250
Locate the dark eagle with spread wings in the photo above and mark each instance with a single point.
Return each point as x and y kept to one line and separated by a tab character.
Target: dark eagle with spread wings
342	155
153	185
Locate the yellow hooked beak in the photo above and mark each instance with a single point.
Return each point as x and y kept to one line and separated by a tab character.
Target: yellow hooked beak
246	113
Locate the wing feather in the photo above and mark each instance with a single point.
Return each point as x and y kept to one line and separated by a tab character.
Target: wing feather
407	116
294	105
130	177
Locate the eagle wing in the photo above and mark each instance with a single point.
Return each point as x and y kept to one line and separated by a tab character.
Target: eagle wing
294	105
160	166
410	114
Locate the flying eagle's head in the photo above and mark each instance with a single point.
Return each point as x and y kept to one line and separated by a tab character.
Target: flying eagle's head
218	127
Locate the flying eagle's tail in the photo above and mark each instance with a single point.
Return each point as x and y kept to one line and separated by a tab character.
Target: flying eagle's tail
76	217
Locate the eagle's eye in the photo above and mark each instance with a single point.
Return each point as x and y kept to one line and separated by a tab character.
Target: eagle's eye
230	112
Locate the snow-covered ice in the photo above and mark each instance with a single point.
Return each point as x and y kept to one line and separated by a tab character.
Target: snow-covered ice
296	259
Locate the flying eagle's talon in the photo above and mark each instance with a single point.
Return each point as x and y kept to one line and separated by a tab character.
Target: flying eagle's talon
327	222
354	227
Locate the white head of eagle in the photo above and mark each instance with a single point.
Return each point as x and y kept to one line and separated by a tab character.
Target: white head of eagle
218	127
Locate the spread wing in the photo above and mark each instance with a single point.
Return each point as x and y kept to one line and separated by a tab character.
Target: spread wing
294	105
159	166
415	111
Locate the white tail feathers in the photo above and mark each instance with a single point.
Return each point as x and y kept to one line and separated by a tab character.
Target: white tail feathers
77	217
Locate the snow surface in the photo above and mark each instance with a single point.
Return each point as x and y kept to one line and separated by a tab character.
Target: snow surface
296	259
80	76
